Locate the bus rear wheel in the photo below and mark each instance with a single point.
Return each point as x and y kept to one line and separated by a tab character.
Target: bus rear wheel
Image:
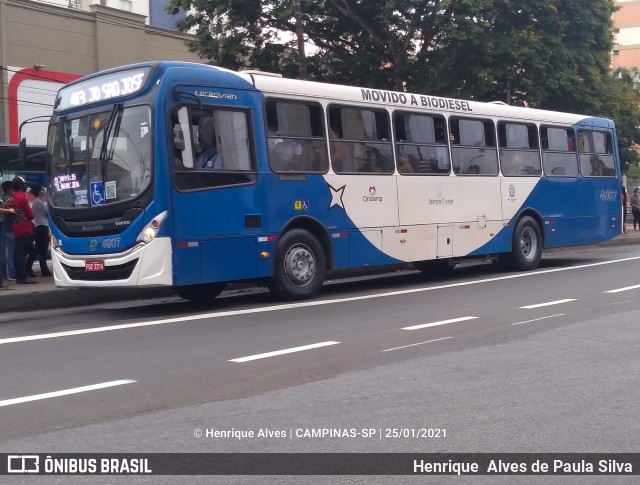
526	250
300	266
204	293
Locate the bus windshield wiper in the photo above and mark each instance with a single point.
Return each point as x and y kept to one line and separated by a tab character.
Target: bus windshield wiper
113	125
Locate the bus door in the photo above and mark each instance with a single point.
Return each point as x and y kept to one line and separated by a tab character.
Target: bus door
216	205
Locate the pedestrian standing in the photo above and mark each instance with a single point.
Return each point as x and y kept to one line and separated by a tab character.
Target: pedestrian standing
635	209
22	231
41	221
6	234
3	213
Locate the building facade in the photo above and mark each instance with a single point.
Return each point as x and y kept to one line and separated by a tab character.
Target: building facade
44	44
626	23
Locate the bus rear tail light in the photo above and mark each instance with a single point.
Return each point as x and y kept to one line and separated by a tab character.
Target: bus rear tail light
150	231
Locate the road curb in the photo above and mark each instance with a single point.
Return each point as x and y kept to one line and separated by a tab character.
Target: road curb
70	297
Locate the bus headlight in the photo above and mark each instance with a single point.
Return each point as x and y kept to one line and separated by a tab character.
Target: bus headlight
149	231
54	242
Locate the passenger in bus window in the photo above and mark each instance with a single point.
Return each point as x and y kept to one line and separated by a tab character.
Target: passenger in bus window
597	166
340	156
423	166
208	157
404	165
473	169
288	153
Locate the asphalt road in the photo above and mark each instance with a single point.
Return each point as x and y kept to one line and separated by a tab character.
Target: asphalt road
545	361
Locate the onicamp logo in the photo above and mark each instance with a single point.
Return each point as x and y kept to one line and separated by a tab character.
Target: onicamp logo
372	197
23	464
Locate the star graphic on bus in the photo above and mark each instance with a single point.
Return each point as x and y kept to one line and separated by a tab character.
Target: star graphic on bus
336	197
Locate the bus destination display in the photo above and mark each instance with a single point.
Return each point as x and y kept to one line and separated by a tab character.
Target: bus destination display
102	88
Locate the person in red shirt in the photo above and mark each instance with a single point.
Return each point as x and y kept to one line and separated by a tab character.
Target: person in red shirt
22	231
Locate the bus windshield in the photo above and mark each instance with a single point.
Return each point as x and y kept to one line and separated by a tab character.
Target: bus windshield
100	158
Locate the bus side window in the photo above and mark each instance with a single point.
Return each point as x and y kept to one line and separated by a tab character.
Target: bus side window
558	152
221	139
596	154
296	137
519	154
421	144
473	150
361	140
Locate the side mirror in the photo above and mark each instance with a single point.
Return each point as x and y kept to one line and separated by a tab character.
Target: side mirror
22	152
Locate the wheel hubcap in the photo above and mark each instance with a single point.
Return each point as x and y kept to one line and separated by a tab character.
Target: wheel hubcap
300	265
528	244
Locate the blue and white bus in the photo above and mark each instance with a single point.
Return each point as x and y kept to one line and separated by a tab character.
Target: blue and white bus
192	176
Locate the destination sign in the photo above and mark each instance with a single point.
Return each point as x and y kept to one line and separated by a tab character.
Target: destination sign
109	86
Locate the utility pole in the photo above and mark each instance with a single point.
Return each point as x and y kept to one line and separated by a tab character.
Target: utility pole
297	12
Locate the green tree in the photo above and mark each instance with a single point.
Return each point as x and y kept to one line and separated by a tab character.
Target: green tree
623	106
553	54
368	43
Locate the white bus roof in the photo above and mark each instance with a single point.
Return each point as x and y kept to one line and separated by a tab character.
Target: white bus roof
349	94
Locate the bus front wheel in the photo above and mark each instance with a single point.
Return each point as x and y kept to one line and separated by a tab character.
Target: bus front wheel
526	250
204	293
300	266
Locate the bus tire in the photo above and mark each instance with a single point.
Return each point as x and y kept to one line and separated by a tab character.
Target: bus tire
204	293
300	266
526	249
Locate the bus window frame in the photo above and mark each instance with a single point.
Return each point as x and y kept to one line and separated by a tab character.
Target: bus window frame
597	154
485	147
364	142
201	111
528	124
324	139
575	150
397	143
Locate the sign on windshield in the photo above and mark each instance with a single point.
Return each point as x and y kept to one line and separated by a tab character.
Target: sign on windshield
109	86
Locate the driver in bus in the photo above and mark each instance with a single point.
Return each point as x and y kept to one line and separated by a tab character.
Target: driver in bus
208	157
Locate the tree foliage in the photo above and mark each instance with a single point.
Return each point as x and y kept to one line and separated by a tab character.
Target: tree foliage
551	54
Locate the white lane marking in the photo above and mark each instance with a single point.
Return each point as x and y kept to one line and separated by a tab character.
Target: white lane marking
413	345
284	351
627	288
289	306
65	392
441	322
541	318
548	303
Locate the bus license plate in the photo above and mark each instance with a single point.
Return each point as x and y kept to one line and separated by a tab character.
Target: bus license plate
94	265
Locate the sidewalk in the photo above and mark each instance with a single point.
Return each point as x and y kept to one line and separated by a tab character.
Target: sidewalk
45	295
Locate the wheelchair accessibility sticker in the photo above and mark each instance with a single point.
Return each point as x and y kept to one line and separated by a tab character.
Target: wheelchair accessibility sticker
96	193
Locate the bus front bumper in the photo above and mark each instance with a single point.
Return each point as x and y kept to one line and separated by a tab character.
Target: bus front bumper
143	265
